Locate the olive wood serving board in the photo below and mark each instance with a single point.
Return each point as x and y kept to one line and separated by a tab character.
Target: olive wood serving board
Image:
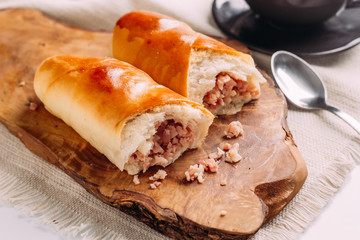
270	174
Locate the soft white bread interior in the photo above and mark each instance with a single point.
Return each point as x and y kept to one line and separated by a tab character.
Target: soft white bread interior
206	64
138	132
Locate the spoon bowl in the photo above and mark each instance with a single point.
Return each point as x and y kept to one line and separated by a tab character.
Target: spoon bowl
302	86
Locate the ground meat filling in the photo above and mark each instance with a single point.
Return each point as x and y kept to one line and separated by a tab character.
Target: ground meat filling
227	88
169	138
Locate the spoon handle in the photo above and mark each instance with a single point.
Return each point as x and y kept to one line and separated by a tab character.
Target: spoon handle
346	117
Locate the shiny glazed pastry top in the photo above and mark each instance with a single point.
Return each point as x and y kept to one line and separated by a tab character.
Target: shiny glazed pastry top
190	63
119	109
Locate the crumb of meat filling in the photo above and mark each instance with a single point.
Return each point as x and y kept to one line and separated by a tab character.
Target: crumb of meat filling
234	130
210	165
233	156
33	106
223	213
155	184
195	172
223	182
217	155
136	180
225	146
161	174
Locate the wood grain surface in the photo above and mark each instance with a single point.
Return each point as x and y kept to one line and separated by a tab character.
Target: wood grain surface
270	174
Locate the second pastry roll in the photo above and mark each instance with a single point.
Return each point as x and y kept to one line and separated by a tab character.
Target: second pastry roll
190	63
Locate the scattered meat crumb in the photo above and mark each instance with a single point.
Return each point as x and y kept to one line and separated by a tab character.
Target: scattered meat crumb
155	184
217	155
161	174
234	130
223	183
136	180
223	213
210	165
33	106
201	178
225	146
233	156
195	171
22	83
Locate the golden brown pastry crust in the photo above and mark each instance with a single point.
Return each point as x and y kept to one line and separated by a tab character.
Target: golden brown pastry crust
98	97
116	97
161	46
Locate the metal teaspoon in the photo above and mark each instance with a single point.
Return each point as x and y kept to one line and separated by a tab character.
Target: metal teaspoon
302	85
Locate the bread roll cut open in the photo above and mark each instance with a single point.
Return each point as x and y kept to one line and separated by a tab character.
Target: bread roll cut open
190	63
135	122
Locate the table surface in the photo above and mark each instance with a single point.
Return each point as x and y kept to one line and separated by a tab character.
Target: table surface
338	220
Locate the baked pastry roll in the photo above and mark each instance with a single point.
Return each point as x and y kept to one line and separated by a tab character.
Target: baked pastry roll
135	122
190	63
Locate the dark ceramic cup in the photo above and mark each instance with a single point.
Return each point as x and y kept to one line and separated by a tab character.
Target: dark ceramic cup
296	12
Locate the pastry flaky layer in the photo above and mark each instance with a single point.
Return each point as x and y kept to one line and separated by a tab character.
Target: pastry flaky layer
190	63
135	122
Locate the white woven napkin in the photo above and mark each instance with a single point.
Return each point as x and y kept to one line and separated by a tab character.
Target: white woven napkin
330	148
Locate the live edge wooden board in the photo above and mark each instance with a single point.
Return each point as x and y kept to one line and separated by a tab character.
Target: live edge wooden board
269	176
